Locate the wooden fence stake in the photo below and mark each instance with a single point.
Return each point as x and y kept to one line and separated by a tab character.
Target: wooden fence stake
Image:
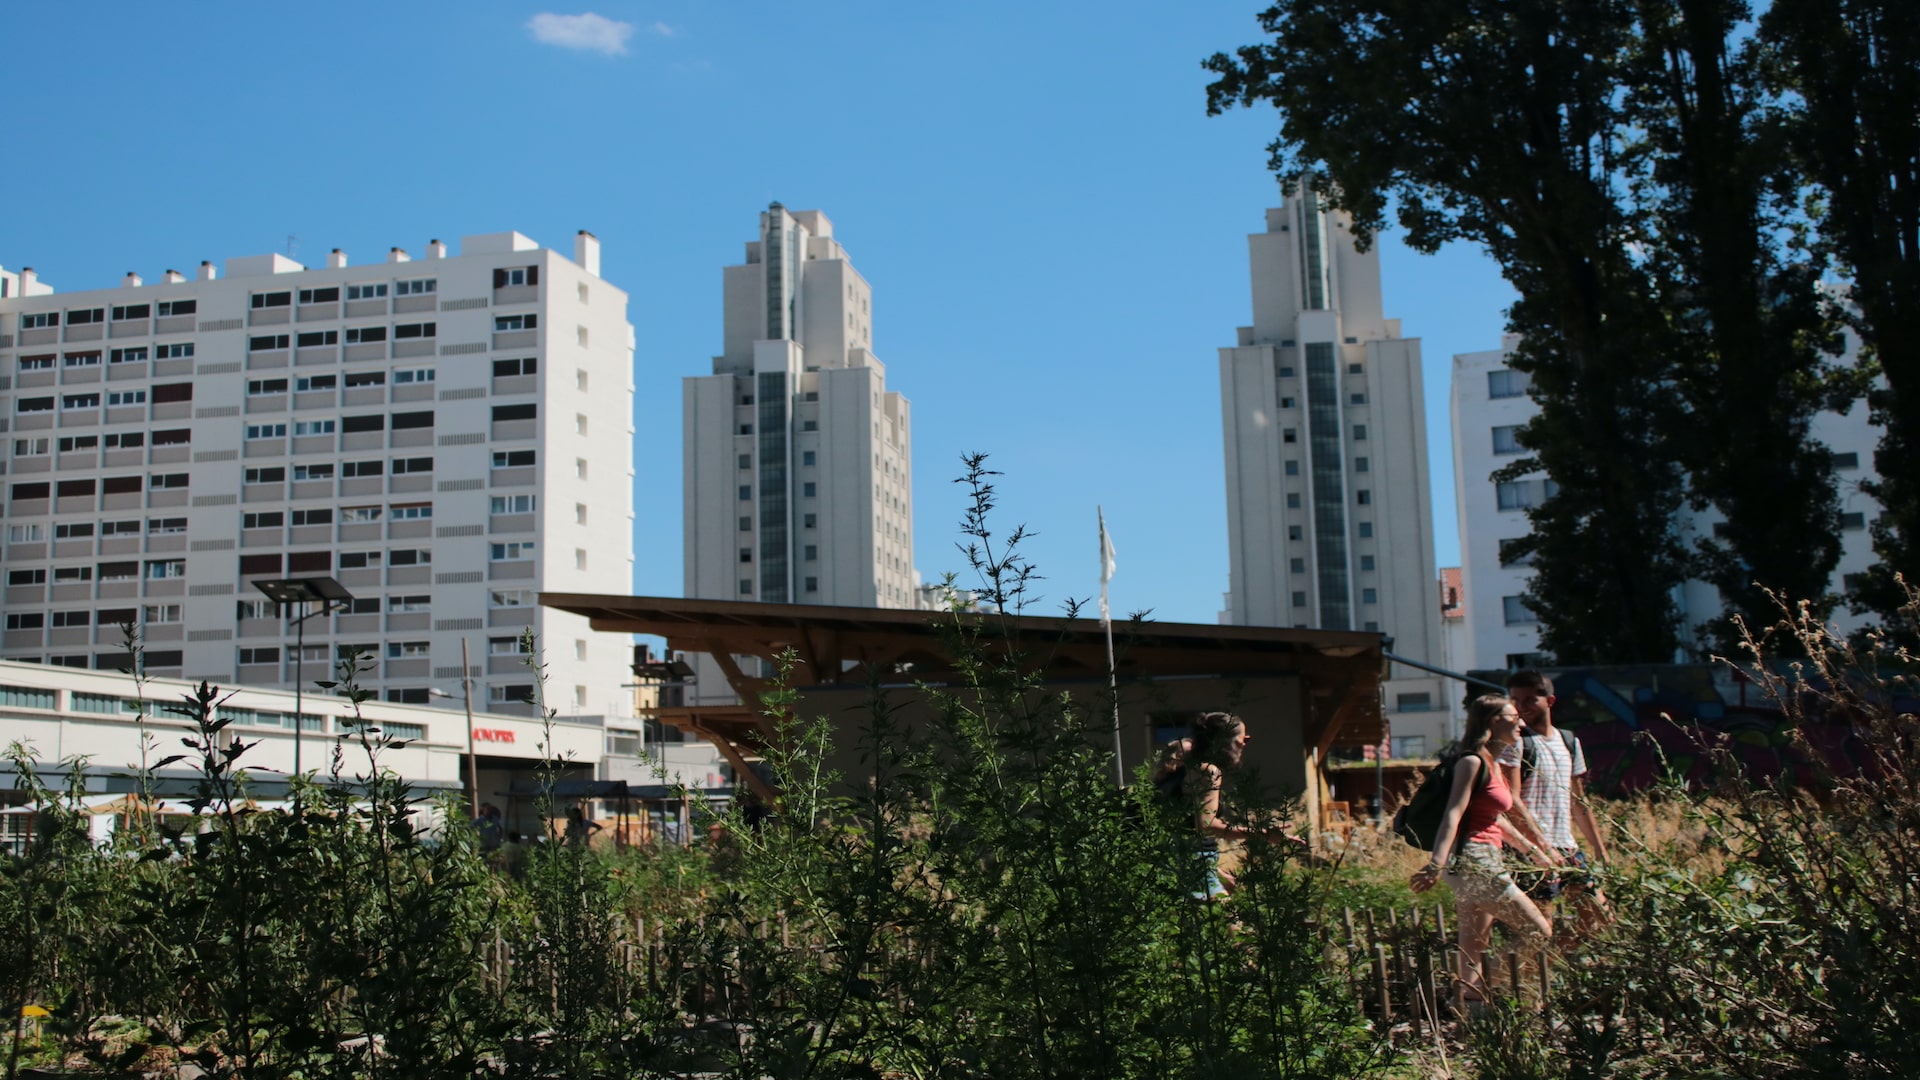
1380	982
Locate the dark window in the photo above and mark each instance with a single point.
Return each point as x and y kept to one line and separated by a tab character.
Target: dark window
1846	461
525	366
317	338
178	307
514	412
309	562
37	490
260	564
320	296
119	485
132	311
75	487
272	299
366	378
267	342
405	420
362	468
415	330
168	480
412	464
86	315
365	335
173	392
363	423
1853	521
173	437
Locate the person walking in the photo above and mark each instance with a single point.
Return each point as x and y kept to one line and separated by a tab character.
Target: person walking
1467	848
1548	770
1194	774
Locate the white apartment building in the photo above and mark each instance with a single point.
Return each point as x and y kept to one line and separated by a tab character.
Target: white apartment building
1328	518
446	436
798	465
1489	404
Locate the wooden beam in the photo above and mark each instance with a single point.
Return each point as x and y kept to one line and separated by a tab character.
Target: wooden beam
742	770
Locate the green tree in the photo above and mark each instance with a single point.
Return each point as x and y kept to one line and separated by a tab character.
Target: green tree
1501	123
1848	73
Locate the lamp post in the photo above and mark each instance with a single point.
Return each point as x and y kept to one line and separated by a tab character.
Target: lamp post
466	698
285	592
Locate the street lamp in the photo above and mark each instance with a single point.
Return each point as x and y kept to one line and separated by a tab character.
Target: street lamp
284	593
466	698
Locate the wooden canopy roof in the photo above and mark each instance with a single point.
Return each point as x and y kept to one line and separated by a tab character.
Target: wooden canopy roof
851	646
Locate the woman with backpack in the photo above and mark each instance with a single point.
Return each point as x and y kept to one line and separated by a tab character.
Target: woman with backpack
1466	849
1192	774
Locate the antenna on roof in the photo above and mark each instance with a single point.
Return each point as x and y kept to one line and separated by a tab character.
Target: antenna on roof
293	245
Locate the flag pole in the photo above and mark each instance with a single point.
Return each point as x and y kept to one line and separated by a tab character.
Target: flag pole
1106	623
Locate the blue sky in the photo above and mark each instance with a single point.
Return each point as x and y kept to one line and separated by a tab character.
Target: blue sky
1054	229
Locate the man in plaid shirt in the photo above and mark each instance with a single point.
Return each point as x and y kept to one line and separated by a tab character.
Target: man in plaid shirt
1547	769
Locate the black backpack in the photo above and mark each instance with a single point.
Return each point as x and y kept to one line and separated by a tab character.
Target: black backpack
1418	819
1530	752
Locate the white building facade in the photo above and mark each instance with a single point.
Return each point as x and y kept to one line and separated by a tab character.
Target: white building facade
446	436
1328	515
798	464
1489	402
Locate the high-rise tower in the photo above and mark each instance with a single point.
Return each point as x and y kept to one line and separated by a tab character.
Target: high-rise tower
1328	515
799	484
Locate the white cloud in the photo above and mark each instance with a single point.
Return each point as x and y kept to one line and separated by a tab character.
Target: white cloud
587	32
663	29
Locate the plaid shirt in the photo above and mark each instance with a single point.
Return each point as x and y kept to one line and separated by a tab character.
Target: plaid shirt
1548	788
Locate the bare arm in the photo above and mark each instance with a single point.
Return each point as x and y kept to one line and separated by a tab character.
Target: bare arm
1583	820
1465	772
1212	824
1521	818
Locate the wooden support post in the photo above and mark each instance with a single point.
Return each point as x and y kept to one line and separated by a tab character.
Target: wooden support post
1513	975
1546	988
1380	985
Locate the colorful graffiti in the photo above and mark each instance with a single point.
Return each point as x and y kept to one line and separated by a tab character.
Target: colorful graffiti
1640	723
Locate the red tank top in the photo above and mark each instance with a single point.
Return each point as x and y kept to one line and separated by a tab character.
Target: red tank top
1481	822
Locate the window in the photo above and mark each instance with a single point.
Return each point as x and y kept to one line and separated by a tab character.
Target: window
162	569
512	459
579	558
315	382
313	472
579	423
1514	494
263	519
412	465
1369	596
119	528
126	397
166	526
269	563
318	516
31	447
366	335
33	405
504	369
367	292
415	287
514	412
1846	461
268	342
1854	520
1296	566
118	571
746	523
806	457
746	555
1516	611
1292	468
356	379
25	534
67	488
317	339
516	693
72	618
1513	554
746	587
809	489
1356	369
254	609
272	300
1505	383
746	492
510	504
1293	500
375	422
510	551
177	307
410	557
266	386
360	560
362	468
1359	432
354	515
1363	497
411	511
81	359
580	468
128	440
580	379
1294	532
260	654
26	620
123	356
36	363
806	520
1506	439
405	650
1299	598
26	577
80	401
1409	746
506	324
406	420
32	490
511	277
73	573
812	584
401	605
328	295
266	431
1357	399
160	481
1287	403
39	320
746	461
1366	530
314	427
579	513
412	375
180	351
405	331
1366	562
85	316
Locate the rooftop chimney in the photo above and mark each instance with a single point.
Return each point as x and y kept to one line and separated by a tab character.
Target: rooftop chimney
174	277
206	270
131	281
336	259
398	255
27	280
586	252
436	250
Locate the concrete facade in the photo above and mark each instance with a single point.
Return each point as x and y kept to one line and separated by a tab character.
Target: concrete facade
798	464
1328	516
447	436
1488	403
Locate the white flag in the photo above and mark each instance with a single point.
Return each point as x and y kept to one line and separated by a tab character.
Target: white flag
1106	564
